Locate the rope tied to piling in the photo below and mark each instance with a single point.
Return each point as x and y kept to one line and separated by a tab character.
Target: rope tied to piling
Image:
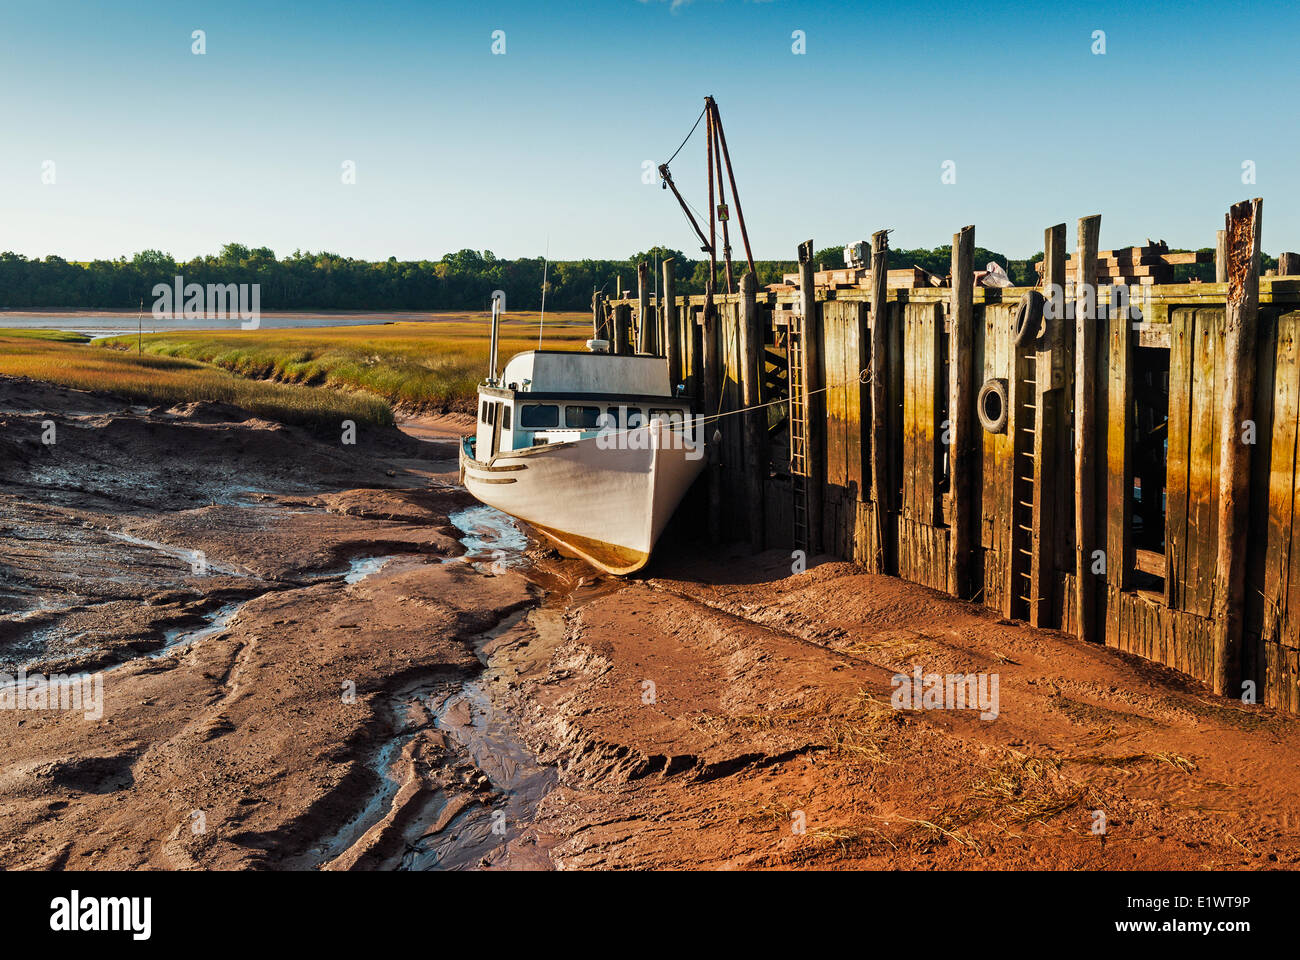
862	377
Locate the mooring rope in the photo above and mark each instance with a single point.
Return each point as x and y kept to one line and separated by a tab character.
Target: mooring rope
864	376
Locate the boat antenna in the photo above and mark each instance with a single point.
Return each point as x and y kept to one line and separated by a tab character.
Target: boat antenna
492	349
541	319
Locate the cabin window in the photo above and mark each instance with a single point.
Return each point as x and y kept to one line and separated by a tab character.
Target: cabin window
668	416
483	412
626	416
539	415
582	418
505	417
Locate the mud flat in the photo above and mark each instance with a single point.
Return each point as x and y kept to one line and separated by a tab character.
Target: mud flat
370	671
256	598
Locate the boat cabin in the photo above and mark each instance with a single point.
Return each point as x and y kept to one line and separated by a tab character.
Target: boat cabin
553	396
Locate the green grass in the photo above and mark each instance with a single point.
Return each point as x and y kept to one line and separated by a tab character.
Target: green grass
60	336
419	366
165	381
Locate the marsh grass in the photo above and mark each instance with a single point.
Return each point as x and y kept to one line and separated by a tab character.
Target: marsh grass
60	336
165	381
416	366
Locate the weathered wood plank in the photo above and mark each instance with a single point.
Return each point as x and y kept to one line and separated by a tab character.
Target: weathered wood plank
1049	504
1181	352
881	491
814	402
1119	439
712	400
1285	479
643	329
1243	226
1085	428
757	459
671	325
961	413
622	326
1203	454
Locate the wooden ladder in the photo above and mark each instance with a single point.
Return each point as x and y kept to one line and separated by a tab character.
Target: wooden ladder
799	477
1023	421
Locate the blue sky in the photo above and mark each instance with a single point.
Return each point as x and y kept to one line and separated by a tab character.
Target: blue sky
155	147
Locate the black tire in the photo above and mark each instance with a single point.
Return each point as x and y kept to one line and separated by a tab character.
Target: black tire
1029	318
991	406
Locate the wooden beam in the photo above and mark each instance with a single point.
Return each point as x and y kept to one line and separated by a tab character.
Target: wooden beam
672	331
755	420
1119	455
1288	264
1085	429
711	404
813	402
622	326
961	412
881	481
644	331
1049	379
1221	257
1243	226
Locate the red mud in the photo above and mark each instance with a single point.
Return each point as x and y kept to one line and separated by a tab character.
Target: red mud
716	713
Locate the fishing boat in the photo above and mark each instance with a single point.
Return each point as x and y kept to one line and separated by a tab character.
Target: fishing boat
594	450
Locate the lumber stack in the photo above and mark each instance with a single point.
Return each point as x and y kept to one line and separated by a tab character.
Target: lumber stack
859	278
1148	264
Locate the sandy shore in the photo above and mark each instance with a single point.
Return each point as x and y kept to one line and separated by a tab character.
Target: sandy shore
343	687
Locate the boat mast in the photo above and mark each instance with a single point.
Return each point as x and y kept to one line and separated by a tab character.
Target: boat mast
719	159
492	350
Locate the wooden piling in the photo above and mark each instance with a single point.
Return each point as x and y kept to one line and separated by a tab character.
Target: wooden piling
643	329
1243	227
1221	257
881	483
1085	429
711	402
813	401
672	331
961	412
1288	264
1053	504
597	315
622	329
751	373
1049	381
1119	432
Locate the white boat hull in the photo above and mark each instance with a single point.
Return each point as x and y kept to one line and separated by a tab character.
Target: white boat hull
606	502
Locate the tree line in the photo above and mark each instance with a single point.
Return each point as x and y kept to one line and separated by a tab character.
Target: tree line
463	280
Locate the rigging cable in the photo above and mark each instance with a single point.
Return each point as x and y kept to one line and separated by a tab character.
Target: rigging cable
688	136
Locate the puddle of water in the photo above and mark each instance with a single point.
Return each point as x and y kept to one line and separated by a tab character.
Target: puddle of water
362	567
180	637
474	718
174	639
490	537
179	553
